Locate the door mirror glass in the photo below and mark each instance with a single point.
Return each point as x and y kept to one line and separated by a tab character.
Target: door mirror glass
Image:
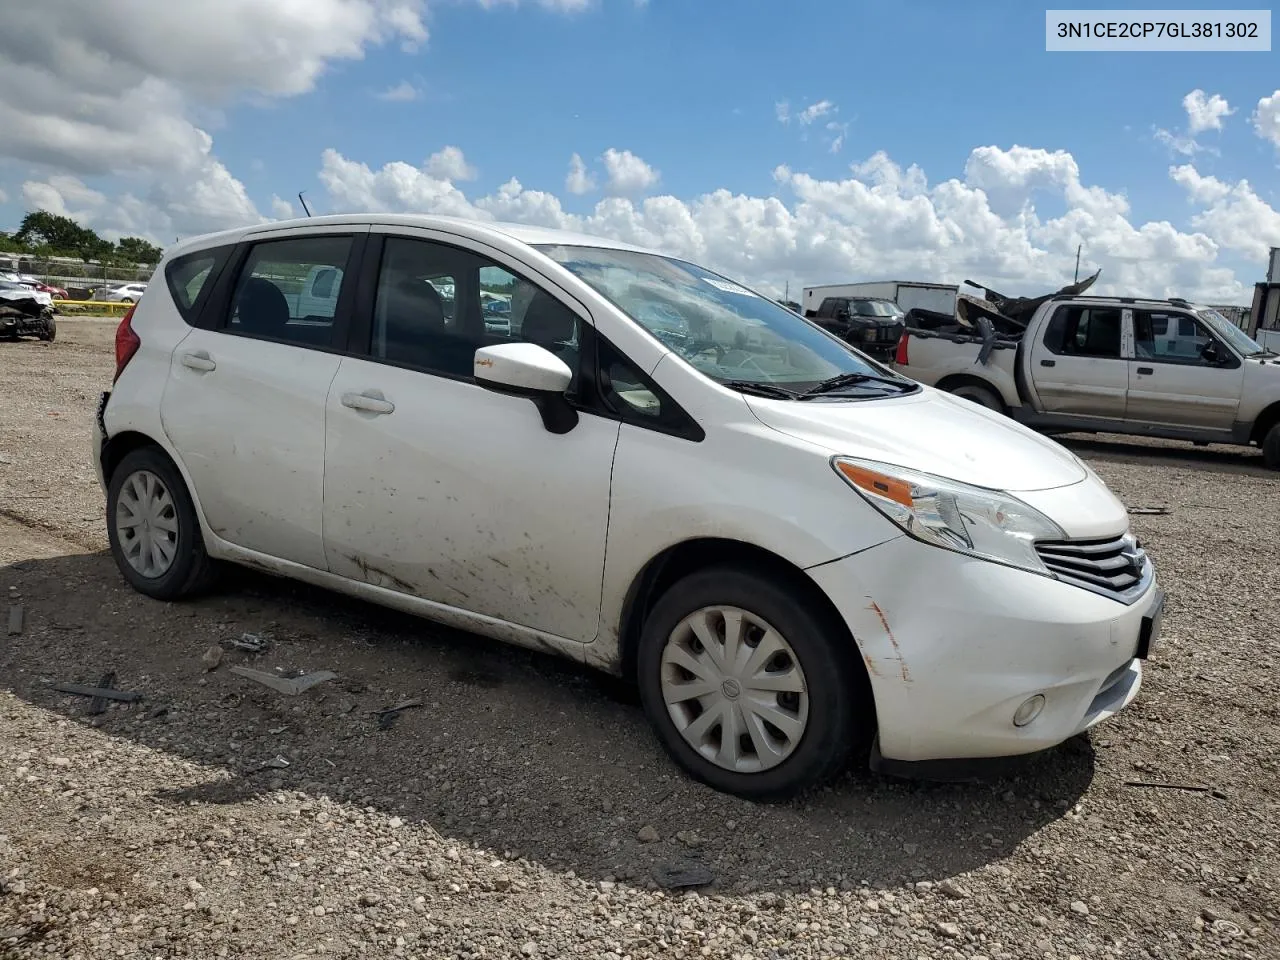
1211	353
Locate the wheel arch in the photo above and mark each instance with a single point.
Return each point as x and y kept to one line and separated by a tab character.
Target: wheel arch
1267	419
681	559
949	383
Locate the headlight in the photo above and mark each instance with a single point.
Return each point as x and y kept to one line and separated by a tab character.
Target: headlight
983	523
869	334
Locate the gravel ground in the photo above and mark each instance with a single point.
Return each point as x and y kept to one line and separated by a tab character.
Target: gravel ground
524	810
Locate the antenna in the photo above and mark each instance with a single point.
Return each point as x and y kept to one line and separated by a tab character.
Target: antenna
1078	248
303	202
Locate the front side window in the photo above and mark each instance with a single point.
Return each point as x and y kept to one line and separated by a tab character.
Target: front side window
436	305
1224	329
276	294
726	332
1170	338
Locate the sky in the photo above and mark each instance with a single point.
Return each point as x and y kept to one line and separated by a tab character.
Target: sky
784	144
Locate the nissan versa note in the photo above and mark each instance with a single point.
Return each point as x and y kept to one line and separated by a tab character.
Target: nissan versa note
799	556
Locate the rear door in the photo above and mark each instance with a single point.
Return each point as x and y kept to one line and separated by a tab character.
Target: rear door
245	401
1078	364
1171	383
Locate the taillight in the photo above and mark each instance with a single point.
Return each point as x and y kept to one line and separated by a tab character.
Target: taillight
901	357
127	342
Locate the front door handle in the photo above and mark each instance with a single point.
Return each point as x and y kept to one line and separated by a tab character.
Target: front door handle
1146	370
1048	363
199	360
369	401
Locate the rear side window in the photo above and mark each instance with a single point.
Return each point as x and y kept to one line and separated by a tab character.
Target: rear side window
288	290
188	277
1084	332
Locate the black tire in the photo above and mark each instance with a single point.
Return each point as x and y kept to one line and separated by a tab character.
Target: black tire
982	396
841	711
192	571
50	330
126	300
1271	447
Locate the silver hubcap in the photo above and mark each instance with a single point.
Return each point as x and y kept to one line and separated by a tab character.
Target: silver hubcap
734	689
147	524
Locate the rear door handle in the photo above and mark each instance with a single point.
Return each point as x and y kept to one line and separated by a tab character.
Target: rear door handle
1048	363
1146	370
199	360
370	402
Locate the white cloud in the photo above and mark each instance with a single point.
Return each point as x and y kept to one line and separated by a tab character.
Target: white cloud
878	221
450	164
816	110
402	92
1205	112
1233	214
838	131
579	180
782	110
1187	146
1266	118
281	209
627	173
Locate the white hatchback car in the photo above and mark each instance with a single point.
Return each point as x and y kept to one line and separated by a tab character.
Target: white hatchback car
798	555
125	293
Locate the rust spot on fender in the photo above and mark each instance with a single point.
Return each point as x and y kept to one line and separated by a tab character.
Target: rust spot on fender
897	650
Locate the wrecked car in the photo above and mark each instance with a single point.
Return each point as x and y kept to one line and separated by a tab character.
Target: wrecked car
25	312
1072	362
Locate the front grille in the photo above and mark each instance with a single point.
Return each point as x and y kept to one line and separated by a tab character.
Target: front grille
1116	568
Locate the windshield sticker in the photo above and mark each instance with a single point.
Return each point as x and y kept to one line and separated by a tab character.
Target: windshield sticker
728	287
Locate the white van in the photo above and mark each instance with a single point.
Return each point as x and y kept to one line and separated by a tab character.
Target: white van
797	554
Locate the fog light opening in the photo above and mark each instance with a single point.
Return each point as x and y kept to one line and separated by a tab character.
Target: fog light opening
1029	710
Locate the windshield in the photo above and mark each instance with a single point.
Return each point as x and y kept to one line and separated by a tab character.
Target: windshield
725	331
876	308
1228	331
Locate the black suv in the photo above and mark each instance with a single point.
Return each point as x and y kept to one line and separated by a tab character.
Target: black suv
872	324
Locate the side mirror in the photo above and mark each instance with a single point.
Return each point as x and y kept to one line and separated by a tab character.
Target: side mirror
1210	352
528	370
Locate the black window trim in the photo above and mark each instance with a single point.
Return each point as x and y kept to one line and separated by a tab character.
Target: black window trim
1223	348
1062	308
216	314
222	255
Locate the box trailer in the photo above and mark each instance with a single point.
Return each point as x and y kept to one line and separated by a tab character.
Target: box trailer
907	294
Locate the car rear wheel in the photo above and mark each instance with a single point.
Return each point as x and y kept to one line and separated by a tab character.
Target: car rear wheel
982	396
749	689
126	299
152	528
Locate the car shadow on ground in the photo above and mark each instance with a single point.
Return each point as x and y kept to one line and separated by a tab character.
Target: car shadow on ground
517	752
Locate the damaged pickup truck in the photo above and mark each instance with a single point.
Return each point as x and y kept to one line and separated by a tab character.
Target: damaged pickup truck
25	312
1069	362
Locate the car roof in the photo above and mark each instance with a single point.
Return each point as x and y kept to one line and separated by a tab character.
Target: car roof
520	232
1148	301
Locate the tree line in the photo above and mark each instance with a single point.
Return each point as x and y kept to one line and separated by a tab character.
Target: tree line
44	234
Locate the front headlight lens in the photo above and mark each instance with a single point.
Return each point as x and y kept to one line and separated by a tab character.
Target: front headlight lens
983	523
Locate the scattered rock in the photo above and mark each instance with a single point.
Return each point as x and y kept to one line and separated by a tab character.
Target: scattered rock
951	931
1079	908
949	888
212	658
648	834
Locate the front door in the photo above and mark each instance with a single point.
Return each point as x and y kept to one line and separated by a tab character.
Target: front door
439	488
1077	365
244	405
1171	380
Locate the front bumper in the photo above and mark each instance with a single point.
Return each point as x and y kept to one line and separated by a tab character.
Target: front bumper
954	646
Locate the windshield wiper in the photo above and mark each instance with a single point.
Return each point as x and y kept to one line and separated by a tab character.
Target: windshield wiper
852	379
761	389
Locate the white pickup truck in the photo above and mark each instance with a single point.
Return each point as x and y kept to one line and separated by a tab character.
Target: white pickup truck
1091	364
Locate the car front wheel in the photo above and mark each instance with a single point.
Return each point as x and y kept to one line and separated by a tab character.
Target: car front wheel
152	528
749	689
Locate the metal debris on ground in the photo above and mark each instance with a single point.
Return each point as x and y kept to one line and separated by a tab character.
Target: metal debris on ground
248	642
276	763
100	694
388	715
1150	511
1191	787
15	619
683	874
290	686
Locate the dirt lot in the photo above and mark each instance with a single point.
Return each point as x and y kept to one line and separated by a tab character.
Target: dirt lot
523	810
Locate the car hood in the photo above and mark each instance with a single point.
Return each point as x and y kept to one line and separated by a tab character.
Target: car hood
932	432
43	299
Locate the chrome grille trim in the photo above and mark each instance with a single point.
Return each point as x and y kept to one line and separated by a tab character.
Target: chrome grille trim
1115	567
